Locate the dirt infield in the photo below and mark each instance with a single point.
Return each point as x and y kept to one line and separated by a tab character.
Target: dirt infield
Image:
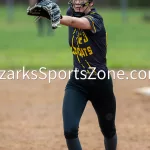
31	119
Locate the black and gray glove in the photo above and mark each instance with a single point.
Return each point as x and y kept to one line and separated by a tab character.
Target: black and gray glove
47	9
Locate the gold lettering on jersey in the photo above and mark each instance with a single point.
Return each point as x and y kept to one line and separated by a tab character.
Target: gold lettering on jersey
89	49
74	51
83	52
82	38
78	51
85	38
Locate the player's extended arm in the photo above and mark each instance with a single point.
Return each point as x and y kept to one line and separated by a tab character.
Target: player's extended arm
81	23
51	11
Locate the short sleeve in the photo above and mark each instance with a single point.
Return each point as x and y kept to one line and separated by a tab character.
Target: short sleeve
96	22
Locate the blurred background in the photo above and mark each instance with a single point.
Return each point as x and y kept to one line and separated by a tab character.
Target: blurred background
26	43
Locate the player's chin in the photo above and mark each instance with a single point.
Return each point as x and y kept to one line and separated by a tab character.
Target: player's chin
78	10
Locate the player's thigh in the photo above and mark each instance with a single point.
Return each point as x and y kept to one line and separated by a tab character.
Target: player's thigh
74	103
104	103
105	107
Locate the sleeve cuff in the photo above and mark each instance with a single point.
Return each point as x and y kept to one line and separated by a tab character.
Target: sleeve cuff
92	23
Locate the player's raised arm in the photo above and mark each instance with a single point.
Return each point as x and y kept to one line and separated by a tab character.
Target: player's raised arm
79	9
81	23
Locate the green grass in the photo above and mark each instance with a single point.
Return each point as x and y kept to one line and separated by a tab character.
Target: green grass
128	43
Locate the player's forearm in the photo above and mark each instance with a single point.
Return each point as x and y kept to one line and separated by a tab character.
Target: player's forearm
68	21
75	22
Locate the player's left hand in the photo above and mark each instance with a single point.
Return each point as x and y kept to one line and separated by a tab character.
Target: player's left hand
47	9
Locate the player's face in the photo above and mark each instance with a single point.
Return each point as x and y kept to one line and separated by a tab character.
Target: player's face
77	5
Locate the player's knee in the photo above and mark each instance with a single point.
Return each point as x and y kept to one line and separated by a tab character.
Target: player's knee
108	129
108	132
71	134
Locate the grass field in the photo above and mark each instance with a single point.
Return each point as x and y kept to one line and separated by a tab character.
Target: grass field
128	43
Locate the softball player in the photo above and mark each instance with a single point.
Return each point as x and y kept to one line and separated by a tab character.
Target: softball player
87	37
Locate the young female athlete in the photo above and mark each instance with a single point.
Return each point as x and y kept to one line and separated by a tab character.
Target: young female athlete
90	81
